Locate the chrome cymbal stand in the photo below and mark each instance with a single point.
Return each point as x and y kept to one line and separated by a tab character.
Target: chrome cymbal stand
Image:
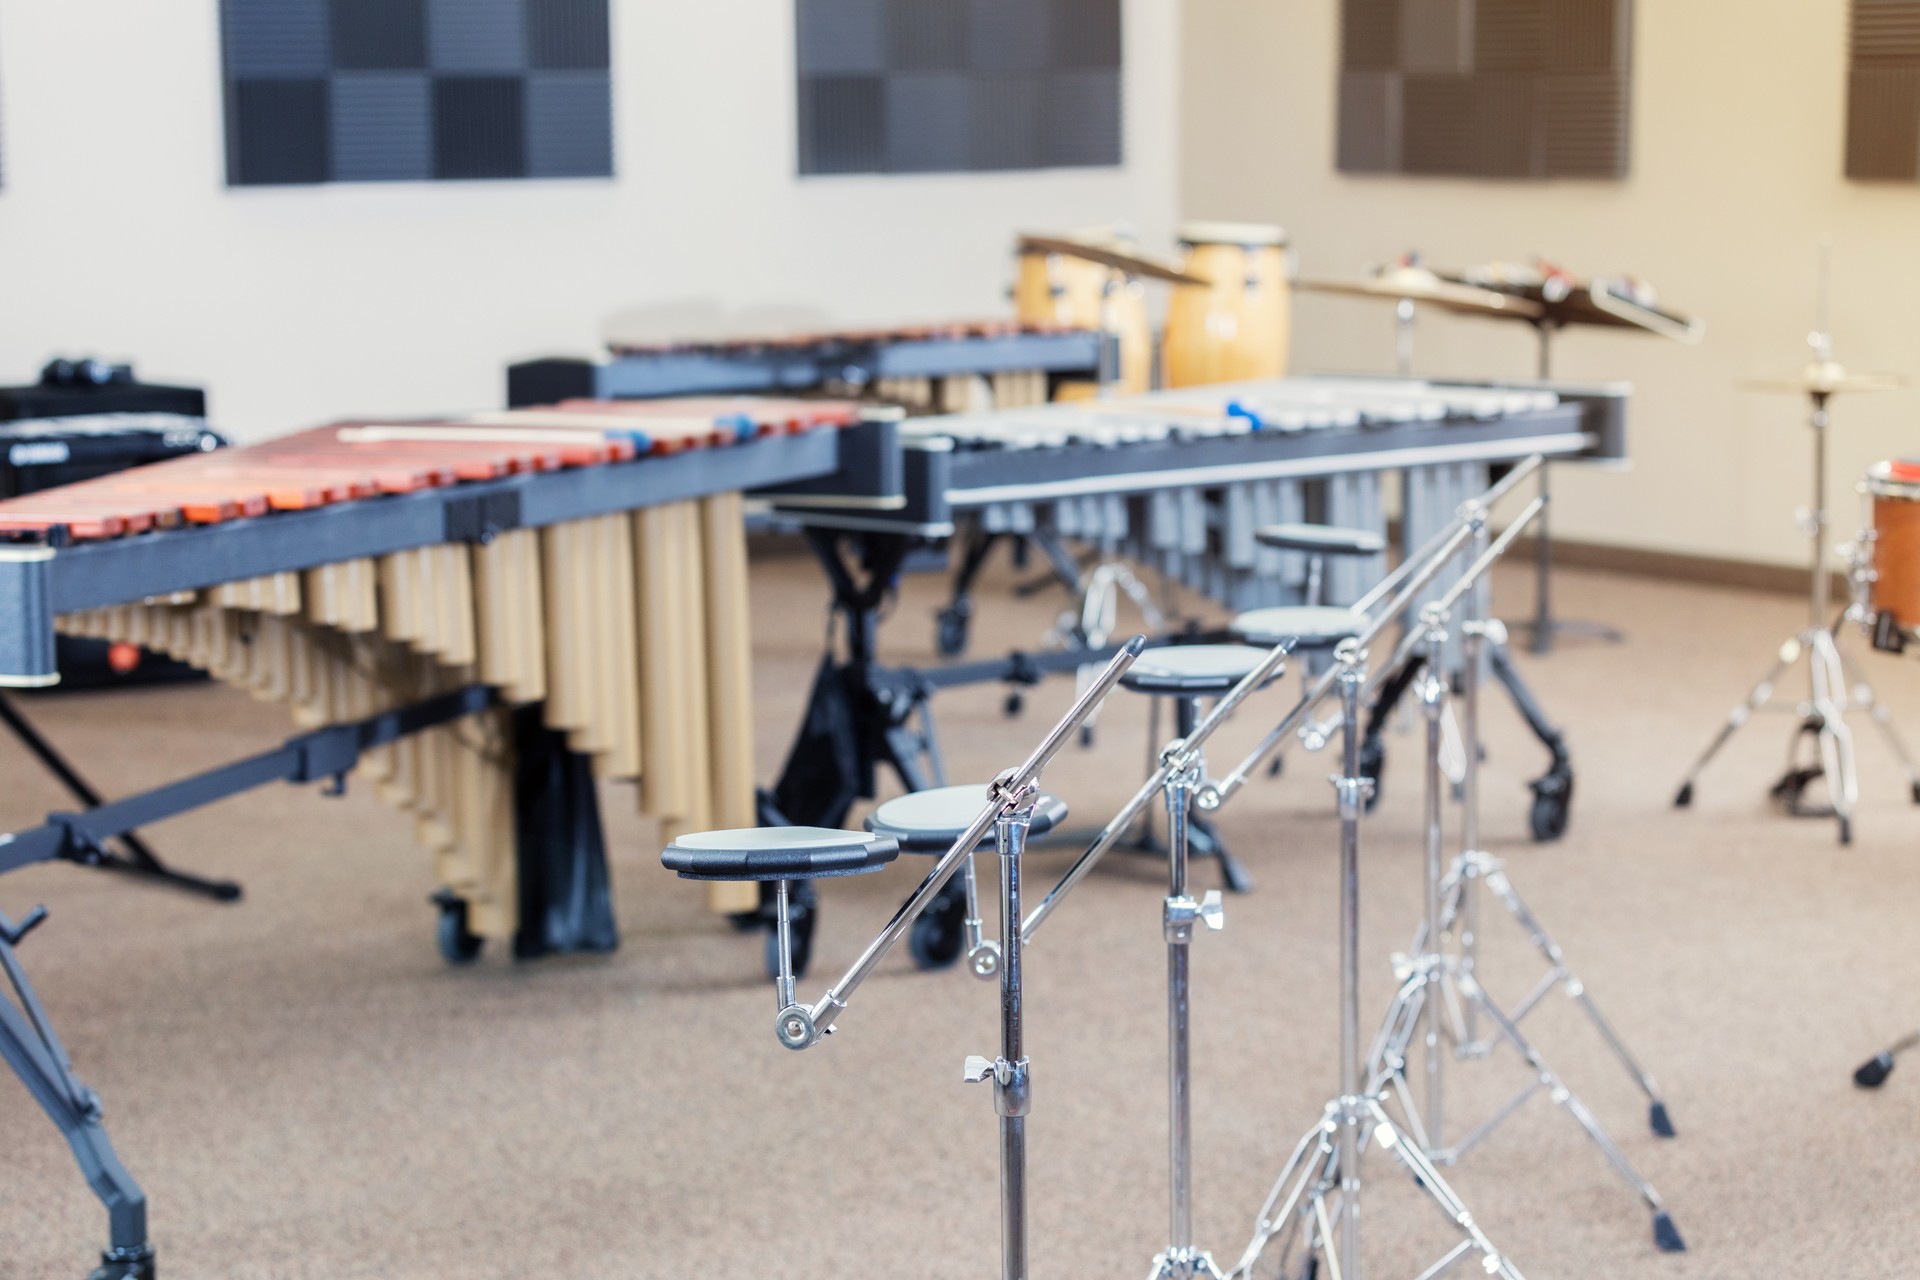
1315	1202
1440	995
1823	714
1008	813
1176	779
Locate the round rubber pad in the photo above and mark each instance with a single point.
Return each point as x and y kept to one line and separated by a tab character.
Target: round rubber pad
1314	626
1193	668
778	853
930	821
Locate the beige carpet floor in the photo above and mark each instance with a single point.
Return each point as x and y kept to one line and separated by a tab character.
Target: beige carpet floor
305	1090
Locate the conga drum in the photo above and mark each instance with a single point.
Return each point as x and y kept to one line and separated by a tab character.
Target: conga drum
1238	326
1056	289
1894	490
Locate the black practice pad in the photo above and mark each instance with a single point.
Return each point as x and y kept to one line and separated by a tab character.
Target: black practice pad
930	821
778	853
1193	669
1314	626
1321	539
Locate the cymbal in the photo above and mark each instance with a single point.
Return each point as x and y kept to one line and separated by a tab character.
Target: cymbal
1827	378
1417	284
1128	258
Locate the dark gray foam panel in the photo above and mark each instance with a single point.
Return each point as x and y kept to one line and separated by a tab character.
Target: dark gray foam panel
929	85
1883	91
399	90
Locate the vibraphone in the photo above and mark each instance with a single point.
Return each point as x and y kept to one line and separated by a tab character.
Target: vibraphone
940	368
1179	480
479	616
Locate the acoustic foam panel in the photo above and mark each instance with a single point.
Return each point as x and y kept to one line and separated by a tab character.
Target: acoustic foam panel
1485	88
1883	91
923	86
404	90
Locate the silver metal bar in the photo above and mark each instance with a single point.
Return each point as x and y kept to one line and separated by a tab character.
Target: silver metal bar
1177	757
1480	566
1179	1024
1012	1082
1008	788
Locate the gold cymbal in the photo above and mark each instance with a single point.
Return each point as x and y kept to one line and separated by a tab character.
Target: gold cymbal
1417	284
1827	378
1128	258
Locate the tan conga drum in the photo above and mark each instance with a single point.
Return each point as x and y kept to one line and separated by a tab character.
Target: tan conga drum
1894	490
1056	289
1239	325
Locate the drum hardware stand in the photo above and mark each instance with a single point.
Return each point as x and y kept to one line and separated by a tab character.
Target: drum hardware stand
139	859
1176	779
1008	813
1873	1073
1318	1190
1440	995
1823	716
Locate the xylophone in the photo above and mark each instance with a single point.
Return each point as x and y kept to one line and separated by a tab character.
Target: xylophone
937	368
478	615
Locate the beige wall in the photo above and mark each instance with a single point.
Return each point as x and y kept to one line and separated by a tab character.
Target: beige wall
1738	121
117	235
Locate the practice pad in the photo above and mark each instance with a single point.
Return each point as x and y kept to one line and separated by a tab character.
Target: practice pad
1315	626
1189	669
1321	539
930	821
777	853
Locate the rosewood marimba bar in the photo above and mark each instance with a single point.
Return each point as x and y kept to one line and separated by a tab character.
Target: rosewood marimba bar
587	561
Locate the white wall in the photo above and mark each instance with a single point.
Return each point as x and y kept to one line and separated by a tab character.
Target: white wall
118	236
1738	145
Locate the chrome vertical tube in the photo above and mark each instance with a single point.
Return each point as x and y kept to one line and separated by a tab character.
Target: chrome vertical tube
1817	516
1473	661
1179	792
783	928
1352	788
1433	686
1011	1084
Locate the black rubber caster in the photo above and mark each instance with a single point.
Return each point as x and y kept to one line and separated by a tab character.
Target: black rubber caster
1016	703
939	936
458	943
1373	764
950	630
803	912
1873	1073
1552	807
1659	1121
125	1264
1684	797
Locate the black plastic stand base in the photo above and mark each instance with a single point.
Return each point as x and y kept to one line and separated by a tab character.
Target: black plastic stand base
1873	1073
566	896
119	1264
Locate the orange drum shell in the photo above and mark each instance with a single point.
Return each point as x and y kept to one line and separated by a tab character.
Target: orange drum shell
1238	326
1896	552
1055	289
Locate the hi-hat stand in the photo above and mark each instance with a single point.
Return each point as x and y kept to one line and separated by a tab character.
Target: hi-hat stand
1834	687
1440	997
758	855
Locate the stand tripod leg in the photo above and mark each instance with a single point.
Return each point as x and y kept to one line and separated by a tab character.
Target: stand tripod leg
1741	713
1305	1175
1502	887
1391	1140
1883	719
1836	740
1665	1235
1873	1073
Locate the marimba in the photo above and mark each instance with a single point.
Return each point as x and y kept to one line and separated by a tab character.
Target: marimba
939	368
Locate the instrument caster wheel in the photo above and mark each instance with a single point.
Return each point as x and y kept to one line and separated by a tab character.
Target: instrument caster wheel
124	1264
938	937
1684	798
1873	1073
458	944
1552	805
950	631
1373	764
1016	703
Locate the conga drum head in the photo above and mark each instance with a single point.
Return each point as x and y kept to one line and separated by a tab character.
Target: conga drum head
1894	487
1237	326
1244	234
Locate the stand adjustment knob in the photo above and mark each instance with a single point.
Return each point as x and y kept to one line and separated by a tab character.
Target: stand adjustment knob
1212	913
977	1069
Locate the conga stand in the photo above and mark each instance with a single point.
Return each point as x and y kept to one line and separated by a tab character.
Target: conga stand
1823	716
1440	997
